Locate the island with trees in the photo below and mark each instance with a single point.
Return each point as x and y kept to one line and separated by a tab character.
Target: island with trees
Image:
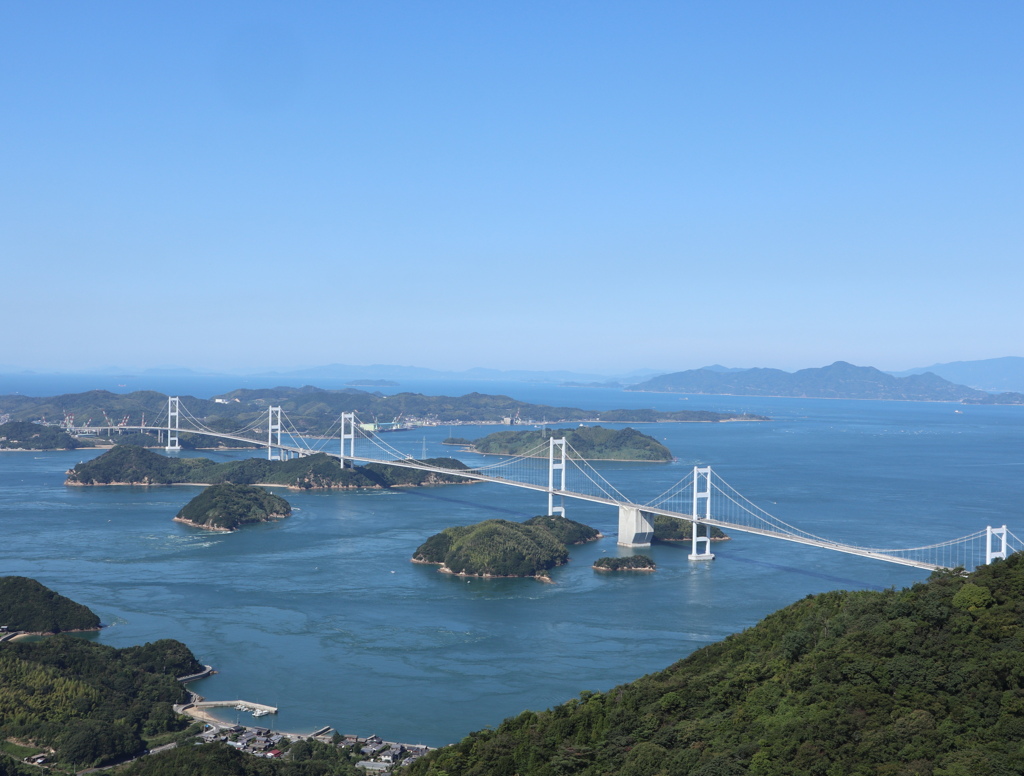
31	607
672	529
315	411
586	443
130	465
629	563
502	548
227	506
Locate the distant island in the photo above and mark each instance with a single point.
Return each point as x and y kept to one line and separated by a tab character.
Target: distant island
502	548
315	411
367	383
130	465
26	605
227	507
840	380
631	563
588	442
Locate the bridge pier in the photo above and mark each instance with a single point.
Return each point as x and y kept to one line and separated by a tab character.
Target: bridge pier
635	527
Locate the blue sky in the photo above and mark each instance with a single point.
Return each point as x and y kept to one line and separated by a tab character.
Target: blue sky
577	185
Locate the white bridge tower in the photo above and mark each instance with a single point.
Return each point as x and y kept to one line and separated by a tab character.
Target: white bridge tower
700	547
556	463
348	434
274	435
173	421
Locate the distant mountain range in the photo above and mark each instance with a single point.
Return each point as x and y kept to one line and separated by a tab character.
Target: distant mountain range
837	381
995	375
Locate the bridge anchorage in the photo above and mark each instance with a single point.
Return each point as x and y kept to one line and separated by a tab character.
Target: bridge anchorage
553	468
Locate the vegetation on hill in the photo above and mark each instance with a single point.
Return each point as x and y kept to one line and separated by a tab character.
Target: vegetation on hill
588	442
305	758
126	464
927	680
630	563
565	530
92	703
669	529
498	548
27	605
837	381
457	441
227	506
19	435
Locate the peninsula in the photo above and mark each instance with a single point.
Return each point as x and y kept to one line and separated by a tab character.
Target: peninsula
130	465
227	507
26	605
502	548
586	443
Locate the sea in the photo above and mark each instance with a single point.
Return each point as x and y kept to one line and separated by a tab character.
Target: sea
324	616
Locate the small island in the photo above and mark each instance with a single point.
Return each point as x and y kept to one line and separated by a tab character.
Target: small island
29	606
587	443
502	548
632	563
227	507
671	529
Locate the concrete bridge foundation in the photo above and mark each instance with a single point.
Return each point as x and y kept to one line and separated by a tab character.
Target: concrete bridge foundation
635	527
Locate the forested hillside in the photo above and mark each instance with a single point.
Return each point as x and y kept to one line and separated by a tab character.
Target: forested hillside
927	680
27	605
90	702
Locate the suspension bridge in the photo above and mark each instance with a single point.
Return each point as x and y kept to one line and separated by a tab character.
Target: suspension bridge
701	498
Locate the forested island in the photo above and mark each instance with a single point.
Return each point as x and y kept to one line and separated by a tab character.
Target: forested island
927	680
630	563
840	380
26	605
228	506
502	548
130	465
670	529
315	411
587	443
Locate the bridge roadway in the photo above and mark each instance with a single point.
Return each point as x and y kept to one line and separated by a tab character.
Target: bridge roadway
412	463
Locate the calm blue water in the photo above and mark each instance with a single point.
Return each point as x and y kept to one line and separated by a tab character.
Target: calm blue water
323	614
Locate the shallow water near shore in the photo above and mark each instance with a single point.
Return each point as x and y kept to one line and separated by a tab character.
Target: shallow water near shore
323	614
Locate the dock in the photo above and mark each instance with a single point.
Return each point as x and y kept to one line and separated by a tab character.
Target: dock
248	706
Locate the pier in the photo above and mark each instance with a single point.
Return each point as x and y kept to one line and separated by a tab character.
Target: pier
240	705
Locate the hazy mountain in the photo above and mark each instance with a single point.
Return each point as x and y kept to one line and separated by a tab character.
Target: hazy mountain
990	374
838	381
